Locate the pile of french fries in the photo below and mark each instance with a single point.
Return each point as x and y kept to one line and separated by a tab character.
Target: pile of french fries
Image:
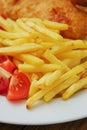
55	65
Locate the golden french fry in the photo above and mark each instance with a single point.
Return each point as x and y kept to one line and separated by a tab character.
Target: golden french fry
60	88
33	88
14	26
49	24
50	79
44	31
31	59
13	50
13	35
47	45
26	28
4	24
75	44
38	95
50	57
74	53
8	42
71	62
44	91
74	88
68	74
44	68
42	81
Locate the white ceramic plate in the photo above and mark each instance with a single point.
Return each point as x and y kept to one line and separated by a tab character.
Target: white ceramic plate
56	111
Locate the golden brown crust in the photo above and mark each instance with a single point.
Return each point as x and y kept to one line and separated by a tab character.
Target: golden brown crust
56	10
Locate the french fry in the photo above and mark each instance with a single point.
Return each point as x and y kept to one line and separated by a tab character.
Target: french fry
60	88
44	68
14	26
13	50
43	92
20	41
55	25
74	53
33	88
41	83
68	74
22	25
49	24
38	95
47	45
50	79
4	24
31	59
44	31
74	88
72	44
13	35
50	57
71	62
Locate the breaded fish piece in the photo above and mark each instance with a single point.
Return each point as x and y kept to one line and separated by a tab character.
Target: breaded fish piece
63	11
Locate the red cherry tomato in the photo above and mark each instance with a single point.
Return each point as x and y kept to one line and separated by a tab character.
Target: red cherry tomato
7	64
19	87
4	81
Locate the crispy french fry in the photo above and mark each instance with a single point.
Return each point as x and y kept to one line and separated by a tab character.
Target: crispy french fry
74	88
13	50
44	68
55	25
14	26
50	57
74	53
43	92
49	24
50	79
21	24
38	95
44	31
8	42
31	59
47	45
42	81
13	35
68	74
33	88
71	62
4	24
76	44
60	88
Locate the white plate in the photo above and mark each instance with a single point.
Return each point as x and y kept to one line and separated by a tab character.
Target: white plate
56	111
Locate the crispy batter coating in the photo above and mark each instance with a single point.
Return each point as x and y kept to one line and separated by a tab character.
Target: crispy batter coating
55	10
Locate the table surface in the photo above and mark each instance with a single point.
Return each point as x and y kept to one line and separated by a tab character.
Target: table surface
74	125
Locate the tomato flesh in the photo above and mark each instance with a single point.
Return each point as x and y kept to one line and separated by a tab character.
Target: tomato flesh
7	64
4	81
4	84
19	87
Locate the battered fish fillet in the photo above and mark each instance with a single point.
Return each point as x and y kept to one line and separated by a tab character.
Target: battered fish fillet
63	11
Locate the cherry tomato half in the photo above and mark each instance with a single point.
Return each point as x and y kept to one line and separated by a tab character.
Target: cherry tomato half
7	64
19	87
4	81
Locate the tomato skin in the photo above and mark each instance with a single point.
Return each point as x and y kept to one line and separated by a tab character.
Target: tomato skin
4	81
4	84
7	64
19	87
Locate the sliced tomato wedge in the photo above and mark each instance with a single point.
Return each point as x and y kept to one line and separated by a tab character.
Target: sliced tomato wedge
4	81
7	64
19	87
